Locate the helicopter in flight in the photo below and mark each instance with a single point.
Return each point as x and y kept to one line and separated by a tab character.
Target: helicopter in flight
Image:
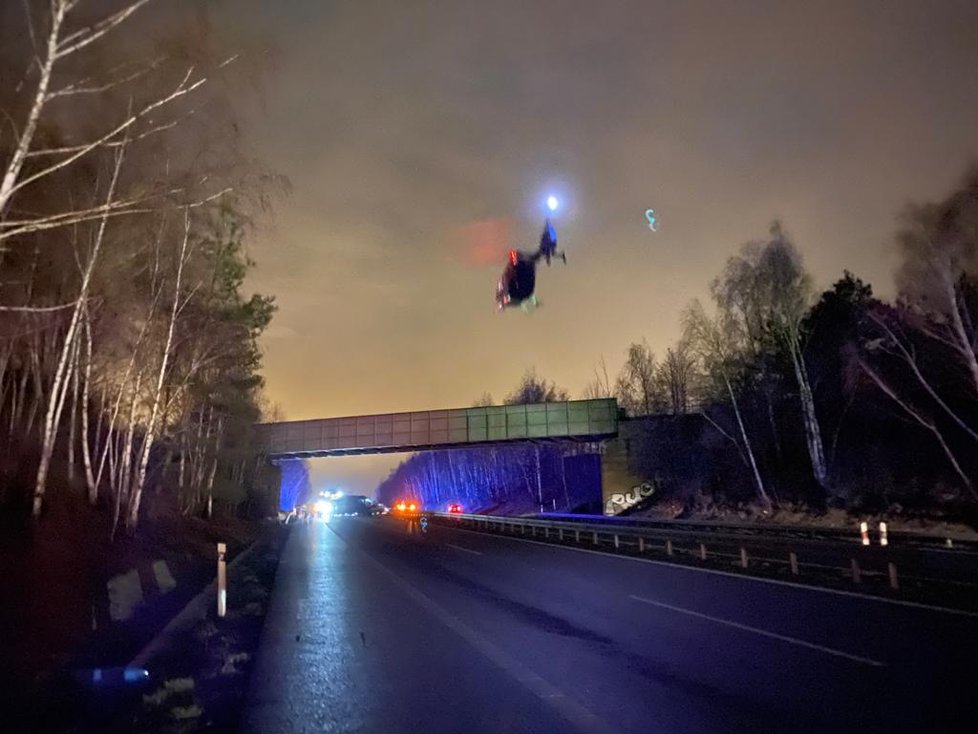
517	284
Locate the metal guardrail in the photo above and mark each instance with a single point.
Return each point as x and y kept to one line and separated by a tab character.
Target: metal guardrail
932	539
899	570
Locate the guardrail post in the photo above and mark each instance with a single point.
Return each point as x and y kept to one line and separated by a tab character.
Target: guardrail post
855	570
894	582
546	531
864	531
949	543
883	539
702	551
222	580
560	533
533	530
668	547
616	541
522	529
595	537
793	560
577	536
641	544
743	557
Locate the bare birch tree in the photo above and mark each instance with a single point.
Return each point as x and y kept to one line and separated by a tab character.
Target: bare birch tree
675	375
636	388
600	386
718	344
938	277
768	291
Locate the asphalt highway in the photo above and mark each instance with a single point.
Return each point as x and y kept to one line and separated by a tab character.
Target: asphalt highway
372	627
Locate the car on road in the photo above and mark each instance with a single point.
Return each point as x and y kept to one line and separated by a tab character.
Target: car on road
455	508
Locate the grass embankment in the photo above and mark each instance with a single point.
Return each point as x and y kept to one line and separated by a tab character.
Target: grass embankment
55	607
200	674
897	518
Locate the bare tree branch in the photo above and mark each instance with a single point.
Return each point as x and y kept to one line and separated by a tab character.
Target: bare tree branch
182	89
84	36
920	418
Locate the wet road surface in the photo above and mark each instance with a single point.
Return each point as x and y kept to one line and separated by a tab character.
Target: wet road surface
372	628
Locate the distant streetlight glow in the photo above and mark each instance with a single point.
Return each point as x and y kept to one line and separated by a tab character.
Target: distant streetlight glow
552	203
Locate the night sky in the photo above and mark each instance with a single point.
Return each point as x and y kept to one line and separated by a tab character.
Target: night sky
421	139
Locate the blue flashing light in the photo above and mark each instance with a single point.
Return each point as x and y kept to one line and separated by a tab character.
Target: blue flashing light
552	203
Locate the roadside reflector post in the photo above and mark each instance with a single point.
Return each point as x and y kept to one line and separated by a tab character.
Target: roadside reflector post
641	544
894	582
668	547
743	557
702	551
793	560
883	539
222	580
864	531
616	541
855	570
949	543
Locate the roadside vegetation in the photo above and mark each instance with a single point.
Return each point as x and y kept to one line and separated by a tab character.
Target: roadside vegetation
832	399
129	362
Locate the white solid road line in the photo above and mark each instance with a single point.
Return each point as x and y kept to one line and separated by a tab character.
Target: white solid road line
464	550
742	577
765	633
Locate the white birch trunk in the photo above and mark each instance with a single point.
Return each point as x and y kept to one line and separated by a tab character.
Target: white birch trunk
53	412
73	418
125	456
136	495
966	347
85	437
750	451
16	163
813	435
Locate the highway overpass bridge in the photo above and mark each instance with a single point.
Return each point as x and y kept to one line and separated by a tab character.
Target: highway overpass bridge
580	421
